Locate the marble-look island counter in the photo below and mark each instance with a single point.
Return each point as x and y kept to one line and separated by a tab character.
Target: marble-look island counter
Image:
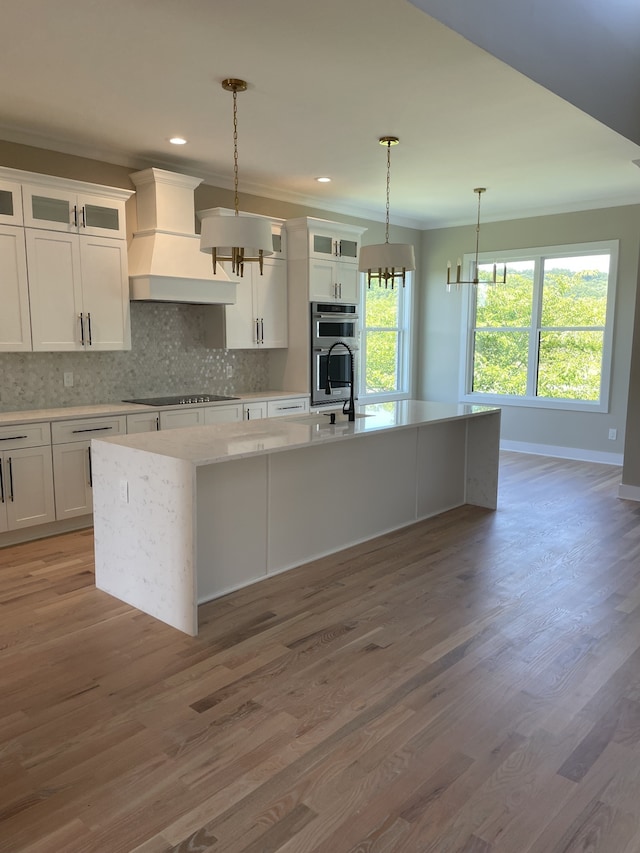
184	516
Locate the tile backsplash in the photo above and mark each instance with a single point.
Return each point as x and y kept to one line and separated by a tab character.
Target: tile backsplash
168	356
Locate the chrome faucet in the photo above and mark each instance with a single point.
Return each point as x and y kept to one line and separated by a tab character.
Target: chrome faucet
348	408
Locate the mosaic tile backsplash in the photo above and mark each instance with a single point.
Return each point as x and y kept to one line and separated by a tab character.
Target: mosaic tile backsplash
168	356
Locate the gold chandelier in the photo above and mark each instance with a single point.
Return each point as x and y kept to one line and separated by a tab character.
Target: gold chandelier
239	239
458	281
387	262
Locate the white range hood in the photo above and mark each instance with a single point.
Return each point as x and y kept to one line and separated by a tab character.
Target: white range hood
165	261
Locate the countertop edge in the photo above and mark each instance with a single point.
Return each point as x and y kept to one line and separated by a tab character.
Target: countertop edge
218	443
66	413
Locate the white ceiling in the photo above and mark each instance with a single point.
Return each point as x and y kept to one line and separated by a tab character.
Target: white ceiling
114	79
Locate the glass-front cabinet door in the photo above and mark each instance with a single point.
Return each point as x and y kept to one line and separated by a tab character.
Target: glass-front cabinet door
101	217
57	210
325	244
10	203
348	248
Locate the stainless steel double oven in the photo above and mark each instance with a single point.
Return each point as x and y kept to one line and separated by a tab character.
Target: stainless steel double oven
332	322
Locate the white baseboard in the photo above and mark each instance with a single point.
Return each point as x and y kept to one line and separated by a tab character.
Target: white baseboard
630	493
577	453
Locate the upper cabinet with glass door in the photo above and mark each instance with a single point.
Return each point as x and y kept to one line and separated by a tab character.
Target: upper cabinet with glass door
10	203
334	241
58	209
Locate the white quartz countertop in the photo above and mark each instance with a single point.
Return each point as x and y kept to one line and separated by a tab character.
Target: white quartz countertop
205	445
119	408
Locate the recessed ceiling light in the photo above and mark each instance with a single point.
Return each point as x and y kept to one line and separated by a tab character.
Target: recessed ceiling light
323	180
177	140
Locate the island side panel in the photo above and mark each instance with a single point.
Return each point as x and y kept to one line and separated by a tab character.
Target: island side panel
231	525
483	459
144	547
327	497
441	467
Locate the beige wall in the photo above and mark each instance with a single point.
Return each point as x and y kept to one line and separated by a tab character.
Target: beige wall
439	345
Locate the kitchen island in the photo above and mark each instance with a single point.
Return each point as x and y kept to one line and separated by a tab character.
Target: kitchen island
184	516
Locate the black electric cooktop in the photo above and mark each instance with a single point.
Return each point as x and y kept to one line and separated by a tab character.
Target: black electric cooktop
180	399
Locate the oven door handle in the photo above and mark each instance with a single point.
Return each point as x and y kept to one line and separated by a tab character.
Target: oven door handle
335	317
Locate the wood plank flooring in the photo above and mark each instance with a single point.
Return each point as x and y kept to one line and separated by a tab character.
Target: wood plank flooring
470	684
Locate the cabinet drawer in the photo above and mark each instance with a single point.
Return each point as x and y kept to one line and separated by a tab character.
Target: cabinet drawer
279	408
24	435
81	430
143	422
183	417
223	414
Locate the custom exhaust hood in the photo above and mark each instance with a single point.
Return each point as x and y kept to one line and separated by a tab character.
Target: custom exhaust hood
165	261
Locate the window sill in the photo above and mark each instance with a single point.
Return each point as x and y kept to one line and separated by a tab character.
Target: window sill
535	403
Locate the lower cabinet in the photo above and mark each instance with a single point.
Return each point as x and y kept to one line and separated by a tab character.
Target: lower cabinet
223	414
185	417
72	467
72	461
254	411
143	422
45	468
26	477
281	408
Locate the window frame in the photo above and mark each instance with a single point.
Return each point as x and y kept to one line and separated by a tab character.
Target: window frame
538	255
405	350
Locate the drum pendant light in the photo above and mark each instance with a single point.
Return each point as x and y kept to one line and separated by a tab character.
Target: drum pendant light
239	239
387	262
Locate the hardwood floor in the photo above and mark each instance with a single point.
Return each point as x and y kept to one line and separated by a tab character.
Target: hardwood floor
469	684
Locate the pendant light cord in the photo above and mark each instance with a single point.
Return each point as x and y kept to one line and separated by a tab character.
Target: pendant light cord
235	149
386	231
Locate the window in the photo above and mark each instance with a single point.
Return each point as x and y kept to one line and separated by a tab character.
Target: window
543	338
384	350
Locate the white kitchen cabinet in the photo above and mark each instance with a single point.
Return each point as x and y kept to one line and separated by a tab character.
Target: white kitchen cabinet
76	264
26	476
10	202
78	292
333	281
325	255
57	206
223	414
15	320
254	411
332	240
293	406
72	467
143	422
73	479
258	319
186	416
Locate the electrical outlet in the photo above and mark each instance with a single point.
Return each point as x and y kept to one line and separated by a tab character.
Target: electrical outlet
613	434
67	378
229	371
124	491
